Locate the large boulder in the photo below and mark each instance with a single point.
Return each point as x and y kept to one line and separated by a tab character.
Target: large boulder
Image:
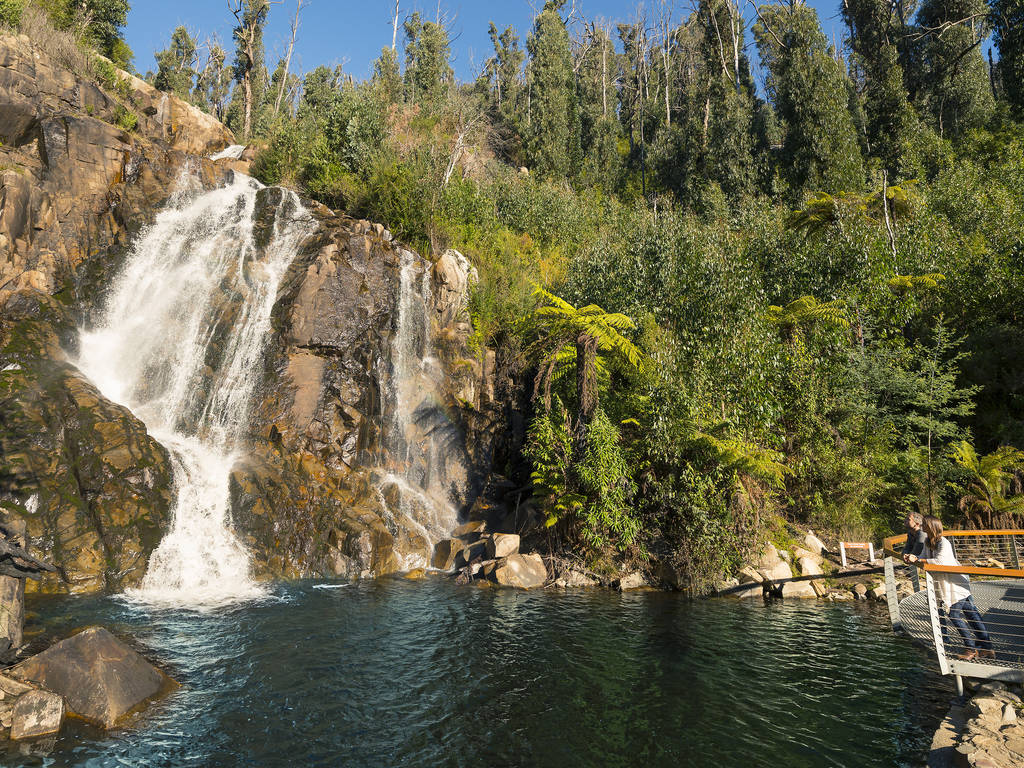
814	544
809	566
522	571
453	276
36	713
501	545
445	552
96	485
470	531
101	678
633	580
471	552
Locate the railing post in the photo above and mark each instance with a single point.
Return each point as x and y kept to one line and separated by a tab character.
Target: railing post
1013	545
933	613
891	597
842	553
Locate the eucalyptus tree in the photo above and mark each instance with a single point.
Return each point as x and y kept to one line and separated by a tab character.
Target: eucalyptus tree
176	64
250	68
807	87
428	71
953	85
504	72
876	31
552	132
1008	31
387	76
213	83
600	130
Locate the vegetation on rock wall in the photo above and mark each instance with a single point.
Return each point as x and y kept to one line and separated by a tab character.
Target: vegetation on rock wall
826	280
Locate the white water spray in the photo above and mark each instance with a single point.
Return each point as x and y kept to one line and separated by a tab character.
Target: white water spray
180	343
419	422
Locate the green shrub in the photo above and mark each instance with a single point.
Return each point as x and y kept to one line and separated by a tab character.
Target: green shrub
126	118
10	13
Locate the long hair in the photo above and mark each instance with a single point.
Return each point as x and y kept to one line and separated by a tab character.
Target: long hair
932	528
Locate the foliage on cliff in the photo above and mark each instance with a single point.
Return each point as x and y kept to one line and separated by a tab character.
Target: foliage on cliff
826	278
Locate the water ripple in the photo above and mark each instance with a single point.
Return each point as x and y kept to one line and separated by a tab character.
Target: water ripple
396	673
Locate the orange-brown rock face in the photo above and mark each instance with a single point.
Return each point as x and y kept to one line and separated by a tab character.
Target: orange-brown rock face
330	481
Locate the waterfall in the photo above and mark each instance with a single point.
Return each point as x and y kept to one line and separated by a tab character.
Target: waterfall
419	425
180	343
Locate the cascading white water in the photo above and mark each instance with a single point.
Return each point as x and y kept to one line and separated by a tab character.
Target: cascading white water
180	343
424	502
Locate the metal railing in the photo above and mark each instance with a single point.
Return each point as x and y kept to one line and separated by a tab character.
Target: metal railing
993	558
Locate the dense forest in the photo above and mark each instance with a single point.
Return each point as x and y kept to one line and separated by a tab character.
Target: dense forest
732	305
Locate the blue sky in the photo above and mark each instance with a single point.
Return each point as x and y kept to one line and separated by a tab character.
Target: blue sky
352	33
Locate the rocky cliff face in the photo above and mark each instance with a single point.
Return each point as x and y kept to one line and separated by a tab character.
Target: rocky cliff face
322	487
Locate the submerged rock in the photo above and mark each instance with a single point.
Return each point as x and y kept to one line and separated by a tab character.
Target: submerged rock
522	571
101	678
37	713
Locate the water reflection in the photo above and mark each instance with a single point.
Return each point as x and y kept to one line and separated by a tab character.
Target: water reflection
395	673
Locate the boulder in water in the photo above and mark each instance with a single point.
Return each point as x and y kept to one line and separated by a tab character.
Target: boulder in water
445	553
633	580
101	678
502	545
37	713
522	571
478	549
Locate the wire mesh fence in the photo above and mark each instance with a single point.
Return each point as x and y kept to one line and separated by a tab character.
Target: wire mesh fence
982	637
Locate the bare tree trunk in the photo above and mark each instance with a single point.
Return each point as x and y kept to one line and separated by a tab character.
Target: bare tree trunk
288	57
460	145
394	28
247	95
604	77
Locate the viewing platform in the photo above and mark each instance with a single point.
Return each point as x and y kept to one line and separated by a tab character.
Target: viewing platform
992	560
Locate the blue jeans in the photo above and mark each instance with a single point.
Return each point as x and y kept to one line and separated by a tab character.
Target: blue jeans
965	617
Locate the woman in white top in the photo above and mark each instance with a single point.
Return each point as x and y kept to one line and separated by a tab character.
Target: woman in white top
955	591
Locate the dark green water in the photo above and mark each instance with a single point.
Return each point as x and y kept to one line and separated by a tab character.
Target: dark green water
399	673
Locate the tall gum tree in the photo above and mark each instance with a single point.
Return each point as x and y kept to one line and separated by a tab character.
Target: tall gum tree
552	135
808	88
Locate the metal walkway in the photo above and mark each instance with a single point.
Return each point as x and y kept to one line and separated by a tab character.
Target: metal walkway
998	592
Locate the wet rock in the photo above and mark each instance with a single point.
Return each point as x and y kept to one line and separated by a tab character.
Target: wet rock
860	591
634	580
95	488
470	531
101	678
502	545
453	276
878	592
522	571
573	578
36	713
476	550
445	552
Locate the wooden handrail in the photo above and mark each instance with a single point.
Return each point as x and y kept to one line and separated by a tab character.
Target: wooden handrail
888	543
973	570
